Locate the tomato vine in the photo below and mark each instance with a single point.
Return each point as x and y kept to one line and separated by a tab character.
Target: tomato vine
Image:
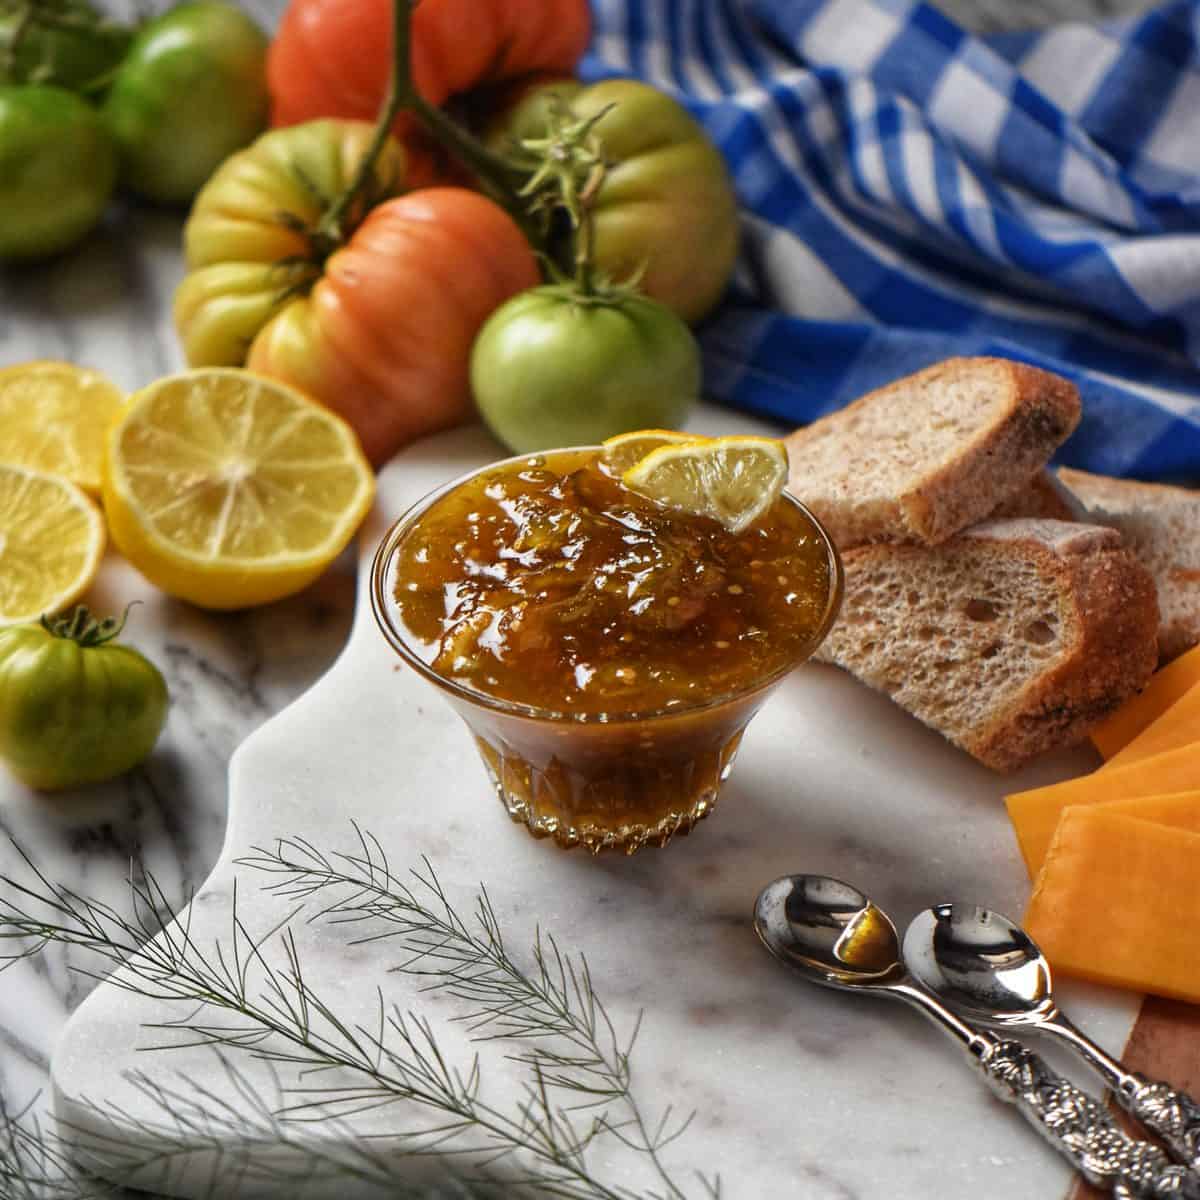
494	172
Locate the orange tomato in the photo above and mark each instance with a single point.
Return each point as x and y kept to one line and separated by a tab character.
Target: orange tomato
247	244
384	337
333	57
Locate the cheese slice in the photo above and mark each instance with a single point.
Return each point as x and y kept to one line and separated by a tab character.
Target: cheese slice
1166	686
1117	903
1178	726
1035	813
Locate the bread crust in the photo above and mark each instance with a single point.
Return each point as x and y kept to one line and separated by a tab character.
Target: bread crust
1116	609
1105	607
1161	525
1014	439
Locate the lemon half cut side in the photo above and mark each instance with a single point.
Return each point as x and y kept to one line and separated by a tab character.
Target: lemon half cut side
53	418
51	543
229	489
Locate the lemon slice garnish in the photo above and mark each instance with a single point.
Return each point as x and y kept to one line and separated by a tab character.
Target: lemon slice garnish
733	480
53	417
623	451
51	543
229	489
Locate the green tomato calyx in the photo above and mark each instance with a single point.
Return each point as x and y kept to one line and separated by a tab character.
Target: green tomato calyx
81	627
568	164
601	292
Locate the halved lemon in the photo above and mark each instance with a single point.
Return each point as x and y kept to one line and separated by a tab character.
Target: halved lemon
229	489
621	452
53	417
734	480
51	544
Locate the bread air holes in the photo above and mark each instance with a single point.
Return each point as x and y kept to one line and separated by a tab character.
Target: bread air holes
1040	633
978	609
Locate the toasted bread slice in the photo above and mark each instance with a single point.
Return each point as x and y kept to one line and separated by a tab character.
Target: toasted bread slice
928	455
1013	638
1161	525
1045	497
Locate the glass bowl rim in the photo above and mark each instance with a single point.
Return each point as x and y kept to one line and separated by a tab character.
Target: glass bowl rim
382	601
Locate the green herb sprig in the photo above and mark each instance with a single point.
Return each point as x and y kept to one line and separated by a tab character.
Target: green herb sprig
577	1071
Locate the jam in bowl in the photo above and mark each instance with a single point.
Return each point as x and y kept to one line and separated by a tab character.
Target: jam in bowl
605	652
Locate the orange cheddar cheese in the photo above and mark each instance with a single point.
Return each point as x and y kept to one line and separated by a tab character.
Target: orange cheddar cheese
1035	813
1178	726
1117	903
1167	686
1180	810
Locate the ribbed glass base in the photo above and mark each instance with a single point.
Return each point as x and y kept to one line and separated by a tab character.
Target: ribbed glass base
621	808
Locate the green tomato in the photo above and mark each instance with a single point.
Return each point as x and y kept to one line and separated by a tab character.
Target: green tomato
551	368
191	91
57	170
74	707
666	208
67	43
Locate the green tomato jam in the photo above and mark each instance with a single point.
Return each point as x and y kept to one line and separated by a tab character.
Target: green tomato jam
546	582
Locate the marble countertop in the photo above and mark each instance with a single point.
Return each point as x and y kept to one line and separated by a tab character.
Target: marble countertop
107	306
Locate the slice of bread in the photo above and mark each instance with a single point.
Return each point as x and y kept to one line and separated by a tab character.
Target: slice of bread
928	455
1161	525
1011	639
1043	496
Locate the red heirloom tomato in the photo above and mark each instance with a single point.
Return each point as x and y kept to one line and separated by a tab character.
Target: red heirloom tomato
385	336
332	57
248	243
378	327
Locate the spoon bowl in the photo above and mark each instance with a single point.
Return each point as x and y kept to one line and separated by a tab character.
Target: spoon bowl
828	930
979	962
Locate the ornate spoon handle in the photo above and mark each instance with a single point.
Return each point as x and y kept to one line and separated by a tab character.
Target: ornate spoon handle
1171	1114
1167	1112
1080	1127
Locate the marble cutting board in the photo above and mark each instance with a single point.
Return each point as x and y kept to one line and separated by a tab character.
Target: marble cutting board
796	1091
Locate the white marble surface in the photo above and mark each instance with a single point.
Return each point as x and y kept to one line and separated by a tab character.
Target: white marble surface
831	779
107	306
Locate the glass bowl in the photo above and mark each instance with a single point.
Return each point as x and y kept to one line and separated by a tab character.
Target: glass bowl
611	781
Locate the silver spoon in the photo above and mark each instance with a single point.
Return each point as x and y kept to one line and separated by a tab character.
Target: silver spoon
980	963
835	936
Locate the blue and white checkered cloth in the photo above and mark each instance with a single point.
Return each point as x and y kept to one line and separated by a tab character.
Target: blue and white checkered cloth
911	192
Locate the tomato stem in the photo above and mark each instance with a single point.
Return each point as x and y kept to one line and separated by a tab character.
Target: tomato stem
585	232
495	172
564	171
492	171
398	96
84	629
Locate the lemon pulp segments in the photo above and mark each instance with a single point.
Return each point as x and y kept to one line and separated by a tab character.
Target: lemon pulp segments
228	489
53	418
51	543
734	480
